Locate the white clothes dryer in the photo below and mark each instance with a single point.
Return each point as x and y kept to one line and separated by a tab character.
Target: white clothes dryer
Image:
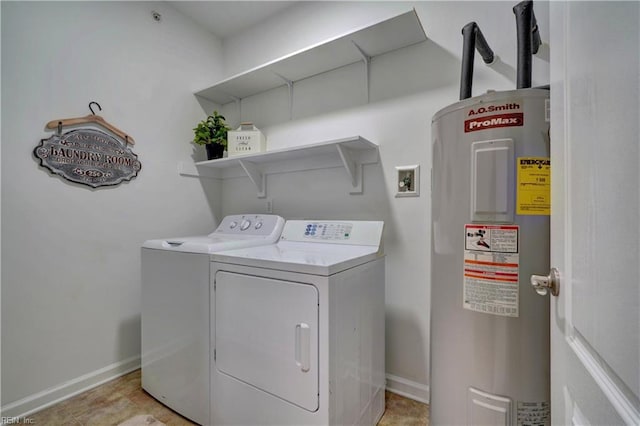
297	328
175	310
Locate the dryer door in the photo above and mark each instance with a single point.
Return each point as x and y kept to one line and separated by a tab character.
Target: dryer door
266	335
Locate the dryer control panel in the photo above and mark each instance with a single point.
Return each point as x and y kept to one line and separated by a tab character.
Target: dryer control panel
328	230
354	232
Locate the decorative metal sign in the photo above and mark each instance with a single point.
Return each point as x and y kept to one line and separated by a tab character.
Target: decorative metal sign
89	157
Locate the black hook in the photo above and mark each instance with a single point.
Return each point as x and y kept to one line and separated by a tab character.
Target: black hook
99	107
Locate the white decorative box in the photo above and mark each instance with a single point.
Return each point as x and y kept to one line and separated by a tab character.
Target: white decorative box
246	139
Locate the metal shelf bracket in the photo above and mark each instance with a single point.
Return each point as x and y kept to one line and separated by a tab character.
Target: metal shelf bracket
367	66
238	103
353	166
290	86
256	175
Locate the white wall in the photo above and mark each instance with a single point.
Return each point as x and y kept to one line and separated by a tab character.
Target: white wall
407	87
70	254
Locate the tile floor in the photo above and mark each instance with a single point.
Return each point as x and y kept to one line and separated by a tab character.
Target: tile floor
123	398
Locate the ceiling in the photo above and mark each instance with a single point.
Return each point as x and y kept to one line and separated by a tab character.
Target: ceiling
227	18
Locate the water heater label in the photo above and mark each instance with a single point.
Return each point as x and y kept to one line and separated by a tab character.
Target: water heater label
494	115
533	413
491	264
533	195
493	121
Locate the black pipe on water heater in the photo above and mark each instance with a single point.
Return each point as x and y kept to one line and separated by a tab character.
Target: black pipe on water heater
472	40
528	41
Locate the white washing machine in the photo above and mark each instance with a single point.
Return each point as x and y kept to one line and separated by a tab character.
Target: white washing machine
175	310
297	328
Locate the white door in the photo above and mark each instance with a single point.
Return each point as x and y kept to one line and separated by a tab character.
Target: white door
595	232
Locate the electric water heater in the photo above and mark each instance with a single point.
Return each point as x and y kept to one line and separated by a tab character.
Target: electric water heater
491	181
490	233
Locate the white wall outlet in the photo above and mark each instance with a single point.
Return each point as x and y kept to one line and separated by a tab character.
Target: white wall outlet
269	205
408	181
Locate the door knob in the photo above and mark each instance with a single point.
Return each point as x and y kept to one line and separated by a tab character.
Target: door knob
545	283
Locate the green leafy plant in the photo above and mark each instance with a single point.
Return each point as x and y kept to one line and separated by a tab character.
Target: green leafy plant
211	130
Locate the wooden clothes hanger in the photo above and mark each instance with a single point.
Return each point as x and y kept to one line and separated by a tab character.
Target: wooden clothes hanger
91	118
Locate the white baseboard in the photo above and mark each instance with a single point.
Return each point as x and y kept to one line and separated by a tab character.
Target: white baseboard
408	388
48	397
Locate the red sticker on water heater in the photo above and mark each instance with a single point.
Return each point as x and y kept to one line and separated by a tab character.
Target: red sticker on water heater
491	121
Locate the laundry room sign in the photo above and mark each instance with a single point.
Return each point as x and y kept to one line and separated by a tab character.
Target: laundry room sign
87	155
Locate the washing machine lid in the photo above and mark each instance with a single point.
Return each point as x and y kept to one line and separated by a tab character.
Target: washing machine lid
199	244
313	247
234	231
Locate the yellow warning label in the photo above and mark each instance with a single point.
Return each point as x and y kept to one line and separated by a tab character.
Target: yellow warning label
534	186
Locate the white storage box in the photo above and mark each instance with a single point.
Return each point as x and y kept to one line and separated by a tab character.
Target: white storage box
246	139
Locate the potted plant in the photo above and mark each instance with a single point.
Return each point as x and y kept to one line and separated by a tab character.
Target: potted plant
212	133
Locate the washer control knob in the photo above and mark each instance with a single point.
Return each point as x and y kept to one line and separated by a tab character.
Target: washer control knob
258	225
233	224
245	225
